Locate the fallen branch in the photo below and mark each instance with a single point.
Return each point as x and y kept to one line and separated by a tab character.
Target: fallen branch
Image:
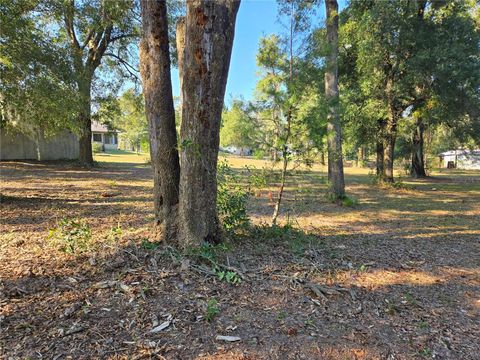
323	291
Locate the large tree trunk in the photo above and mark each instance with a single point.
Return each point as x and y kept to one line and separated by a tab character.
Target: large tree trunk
417	169
209	32
334	137
157	88
85	121
390	138
380	149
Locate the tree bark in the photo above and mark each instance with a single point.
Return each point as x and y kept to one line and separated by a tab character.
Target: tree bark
380	149
159	108
180	40
209	33
390	138
417	169
380	158
85	121
334	137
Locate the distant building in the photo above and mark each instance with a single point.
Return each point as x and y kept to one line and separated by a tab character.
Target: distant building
236	150
460	159
104	136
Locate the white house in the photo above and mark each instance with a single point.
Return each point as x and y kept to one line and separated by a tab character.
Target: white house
102	135
460	159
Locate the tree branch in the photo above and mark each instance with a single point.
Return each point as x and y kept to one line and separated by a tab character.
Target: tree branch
129	67
123	36
87	39
68	18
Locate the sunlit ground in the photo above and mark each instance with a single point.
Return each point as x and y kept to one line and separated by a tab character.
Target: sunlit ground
406	262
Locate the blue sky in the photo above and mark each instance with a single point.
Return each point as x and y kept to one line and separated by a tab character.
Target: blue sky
255	19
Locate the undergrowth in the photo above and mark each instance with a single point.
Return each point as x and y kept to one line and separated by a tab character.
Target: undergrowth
72	236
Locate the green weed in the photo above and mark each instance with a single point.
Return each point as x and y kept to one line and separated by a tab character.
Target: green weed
212	309
148	245
72	236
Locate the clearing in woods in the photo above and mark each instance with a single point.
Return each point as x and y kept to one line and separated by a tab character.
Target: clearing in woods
394	277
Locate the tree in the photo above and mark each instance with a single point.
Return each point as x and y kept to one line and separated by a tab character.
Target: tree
160	112
238	129
37	93
448	74
384	43
92	30
131	120
334	135
209	33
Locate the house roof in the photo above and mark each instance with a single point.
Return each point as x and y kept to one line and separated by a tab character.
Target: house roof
461	152
100	128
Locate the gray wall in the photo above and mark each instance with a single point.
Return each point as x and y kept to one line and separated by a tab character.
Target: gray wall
17	146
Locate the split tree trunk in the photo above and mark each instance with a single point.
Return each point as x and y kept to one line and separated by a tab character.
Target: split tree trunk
334	137
418	165
85	156
157	88
209	33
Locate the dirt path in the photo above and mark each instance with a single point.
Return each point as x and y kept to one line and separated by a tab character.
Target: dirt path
396	277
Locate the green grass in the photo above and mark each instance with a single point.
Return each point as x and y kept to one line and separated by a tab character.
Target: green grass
121	156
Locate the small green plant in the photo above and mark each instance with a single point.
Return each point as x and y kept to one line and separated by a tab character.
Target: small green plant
230	277
112	183
423	324
72	235
148	245
309	323
282	315
349	201
344	200
231	199
115	233
208	253
212	309
425	352
410	299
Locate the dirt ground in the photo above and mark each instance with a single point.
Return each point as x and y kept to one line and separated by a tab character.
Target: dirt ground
396	276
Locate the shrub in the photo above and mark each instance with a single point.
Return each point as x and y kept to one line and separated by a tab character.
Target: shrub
259	154
231	199
97	147
72	236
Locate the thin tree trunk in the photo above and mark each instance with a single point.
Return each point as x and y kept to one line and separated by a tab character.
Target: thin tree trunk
334	137
322	157
160	112
209	32
276	210
85	120
360	156
380	158
417	169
